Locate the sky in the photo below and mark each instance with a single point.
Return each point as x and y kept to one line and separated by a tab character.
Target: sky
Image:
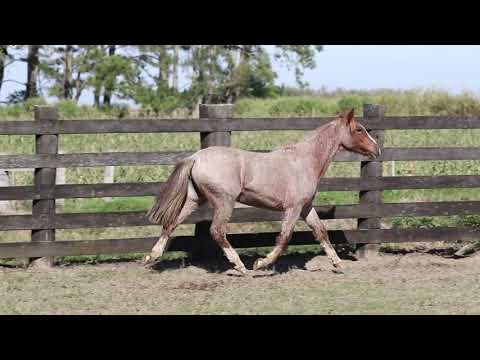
451	67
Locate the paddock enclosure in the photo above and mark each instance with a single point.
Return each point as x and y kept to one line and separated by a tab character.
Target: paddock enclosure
215	126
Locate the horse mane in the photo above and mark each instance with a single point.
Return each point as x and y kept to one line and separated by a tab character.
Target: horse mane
315	135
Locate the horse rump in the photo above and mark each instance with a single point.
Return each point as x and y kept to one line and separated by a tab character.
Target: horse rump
170	203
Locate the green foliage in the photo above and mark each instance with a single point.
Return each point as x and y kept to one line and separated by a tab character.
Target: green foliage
353	102
149	74
472	221
116	205
415	222
397	103
300	56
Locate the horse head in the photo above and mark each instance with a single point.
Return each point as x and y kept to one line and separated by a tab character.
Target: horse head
355	138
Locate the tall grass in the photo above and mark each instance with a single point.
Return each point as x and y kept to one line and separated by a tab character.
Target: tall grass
408	102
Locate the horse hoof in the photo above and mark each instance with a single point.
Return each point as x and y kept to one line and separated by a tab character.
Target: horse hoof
262	273
148	261
338	268
232	272
338	264
235	273
258	265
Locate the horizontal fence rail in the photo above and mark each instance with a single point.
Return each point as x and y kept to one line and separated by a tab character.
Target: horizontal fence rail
215	126
222	125
155	188
240	215
171	158
181	243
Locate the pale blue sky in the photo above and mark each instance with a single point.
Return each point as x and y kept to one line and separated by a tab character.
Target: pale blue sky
451	67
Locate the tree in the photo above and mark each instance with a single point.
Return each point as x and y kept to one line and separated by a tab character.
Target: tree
110	86
33	62
153	80
3	62
112	71
300	56
76	68
29	54
150	74
216	73
68	67
223	73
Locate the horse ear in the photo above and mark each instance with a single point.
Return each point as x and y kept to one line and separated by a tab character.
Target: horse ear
349	116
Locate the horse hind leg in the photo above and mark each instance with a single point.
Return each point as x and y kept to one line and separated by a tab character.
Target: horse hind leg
191	204
222	213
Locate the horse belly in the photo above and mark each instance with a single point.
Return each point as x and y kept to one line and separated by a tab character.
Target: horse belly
277	182
260	199
265	189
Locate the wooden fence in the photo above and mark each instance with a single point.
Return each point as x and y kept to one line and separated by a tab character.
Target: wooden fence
215	126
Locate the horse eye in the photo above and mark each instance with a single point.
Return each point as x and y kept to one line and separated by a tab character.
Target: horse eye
359	130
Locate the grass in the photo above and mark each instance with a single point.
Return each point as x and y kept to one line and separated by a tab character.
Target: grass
392	284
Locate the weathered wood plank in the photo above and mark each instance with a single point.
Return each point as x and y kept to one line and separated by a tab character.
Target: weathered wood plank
399	183
238	124
240	215
154	189
171	158
45	177
416	154
80	191
120	246
424	123
92	160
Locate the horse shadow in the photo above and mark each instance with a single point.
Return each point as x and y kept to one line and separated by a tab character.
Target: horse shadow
286	263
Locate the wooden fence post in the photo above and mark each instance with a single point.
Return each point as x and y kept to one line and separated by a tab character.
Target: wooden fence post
44	144
204	246
371	169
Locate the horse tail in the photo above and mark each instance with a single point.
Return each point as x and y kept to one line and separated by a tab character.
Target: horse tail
170	203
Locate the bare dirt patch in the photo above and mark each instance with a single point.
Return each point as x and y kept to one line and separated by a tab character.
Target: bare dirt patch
412	283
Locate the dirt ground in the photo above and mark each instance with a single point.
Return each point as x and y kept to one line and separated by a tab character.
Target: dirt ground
412	283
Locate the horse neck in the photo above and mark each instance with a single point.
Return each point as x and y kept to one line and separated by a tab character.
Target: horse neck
322	147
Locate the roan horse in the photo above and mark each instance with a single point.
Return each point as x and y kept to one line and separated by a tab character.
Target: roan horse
284	180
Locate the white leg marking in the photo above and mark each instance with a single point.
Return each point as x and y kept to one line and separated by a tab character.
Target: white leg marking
233	257
160	245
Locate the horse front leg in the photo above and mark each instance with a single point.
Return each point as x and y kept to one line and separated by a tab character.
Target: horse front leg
290	218
321	235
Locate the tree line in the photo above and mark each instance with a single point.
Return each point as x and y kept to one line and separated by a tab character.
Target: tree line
149	75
